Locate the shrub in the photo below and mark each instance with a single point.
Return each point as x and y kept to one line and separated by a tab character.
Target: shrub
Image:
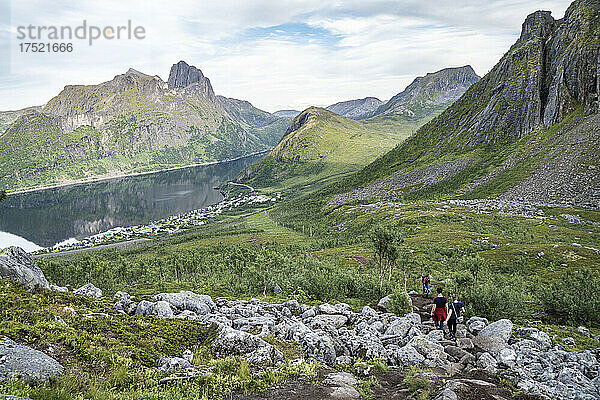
574	299
400	302
495	301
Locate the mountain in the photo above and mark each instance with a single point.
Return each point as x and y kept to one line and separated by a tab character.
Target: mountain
321	145
133	123
8	117
286	113
268	127
356	109
432	91
529	130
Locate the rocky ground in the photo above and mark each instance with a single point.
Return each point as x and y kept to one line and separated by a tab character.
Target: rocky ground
395	357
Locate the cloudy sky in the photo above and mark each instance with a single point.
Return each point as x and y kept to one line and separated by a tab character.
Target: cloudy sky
277	54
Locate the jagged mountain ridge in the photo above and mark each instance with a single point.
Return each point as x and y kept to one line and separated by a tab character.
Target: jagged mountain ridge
133	123
435	89
355	109
517	122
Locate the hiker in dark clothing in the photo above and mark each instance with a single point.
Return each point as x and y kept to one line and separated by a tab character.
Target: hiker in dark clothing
455	308
439	312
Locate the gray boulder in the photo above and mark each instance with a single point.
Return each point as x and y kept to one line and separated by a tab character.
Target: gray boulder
404	356
398	327
160	309
26	363
487	363
16	265
476	324
341	386
186	300
501	329
384	303
333	320
233	342
90	290
169	364
427	348
7	397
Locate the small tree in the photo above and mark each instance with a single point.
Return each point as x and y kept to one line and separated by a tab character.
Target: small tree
385	242
474	264
2	195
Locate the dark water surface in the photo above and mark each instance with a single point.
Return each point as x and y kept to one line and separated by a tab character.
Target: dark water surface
50	216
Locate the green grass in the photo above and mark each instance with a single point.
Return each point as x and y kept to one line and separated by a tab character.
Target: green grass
115	358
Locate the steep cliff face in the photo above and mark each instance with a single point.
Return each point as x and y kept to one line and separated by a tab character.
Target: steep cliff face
183	75
436	89
356	109
551	69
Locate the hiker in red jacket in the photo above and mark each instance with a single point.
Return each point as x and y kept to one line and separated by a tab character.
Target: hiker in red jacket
439	312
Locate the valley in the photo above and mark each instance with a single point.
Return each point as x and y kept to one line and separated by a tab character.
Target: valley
302	275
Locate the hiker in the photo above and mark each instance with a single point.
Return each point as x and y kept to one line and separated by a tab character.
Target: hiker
426	280
455	308
439	311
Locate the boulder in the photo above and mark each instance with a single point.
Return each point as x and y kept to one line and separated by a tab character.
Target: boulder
335	321
506	357
404	356
384	304
56	288
7	397
490	344
89	290
476	324
160	309
169	364
398	327
234	342
342	386
487	363
328	309
368	312
186	300
501	329
16	265
26	363
427	348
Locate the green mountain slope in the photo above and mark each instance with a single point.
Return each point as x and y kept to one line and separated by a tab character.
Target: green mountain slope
528	130
133	123
321	146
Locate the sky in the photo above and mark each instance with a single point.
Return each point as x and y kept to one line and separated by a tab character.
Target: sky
276	54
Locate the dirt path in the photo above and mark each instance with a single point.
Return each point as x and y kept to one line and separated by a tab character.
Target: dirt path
125	244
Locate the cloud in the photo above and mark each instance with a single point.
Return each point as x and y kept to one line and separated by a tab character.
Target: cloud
275	54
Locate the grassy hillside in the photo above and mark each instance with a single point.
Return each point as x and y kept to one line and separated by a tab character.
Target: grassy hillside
321	147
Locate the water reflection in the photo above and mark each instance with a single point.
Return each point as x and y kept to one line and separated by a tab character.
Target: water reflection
54	215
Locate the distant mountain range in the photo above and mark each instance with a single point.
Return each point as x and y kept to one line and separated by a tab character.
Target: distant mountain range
356	109
286	113
133	123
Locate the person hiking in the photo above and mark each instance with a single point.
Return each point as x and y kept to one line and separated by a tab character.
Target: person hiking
426	280
455	308
439	311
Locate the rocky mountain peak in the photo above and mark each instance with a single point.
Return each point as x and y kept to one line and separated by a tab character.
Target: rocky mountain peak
434	89
183	75
538	24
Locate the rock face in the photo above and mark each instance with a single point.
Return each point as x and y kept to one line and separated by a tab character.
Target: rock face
16	265
552	66
356	109
183	75
26	363
439	88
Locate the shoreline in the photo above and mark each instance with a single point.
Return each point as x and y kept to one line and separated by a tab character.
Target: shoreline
128	175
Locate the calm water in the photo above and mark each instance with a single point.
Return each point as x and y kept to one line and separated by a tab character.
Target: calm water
51	216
